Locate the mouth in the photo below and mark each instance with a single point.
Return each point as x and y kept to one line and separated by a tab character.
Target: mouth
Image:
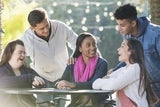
121	32
93	52
21	59
119	54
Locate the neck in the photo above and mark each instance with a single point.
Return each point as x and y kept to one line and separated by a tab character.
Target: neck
13	65
127	64
15	69
134	31
85	59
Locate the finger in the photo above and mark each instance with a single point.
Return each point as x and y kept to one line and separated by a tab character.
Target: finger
39	80
34	83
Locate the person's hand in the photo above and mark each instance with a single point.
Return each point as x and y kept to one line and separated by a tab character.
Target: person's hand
71	60
38	81
63	84
110	71
105	77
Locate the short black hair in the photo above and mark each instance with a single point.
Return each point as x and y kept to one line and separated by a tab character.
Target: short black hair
36	16
126	11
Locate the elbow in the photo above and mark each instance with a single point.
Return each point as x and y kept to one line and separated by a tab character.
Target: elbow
96	84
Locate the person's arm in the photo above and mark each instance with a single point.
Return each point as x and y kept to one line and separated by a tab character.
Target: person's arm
71	37
26	78
122	80
15	81
66	79
67	73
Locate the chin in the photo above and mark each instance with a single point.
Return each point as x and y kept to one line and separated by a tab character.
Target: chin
119	59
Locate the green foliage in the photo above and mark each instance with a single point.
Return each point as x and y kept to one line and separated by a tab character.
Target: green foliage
14	21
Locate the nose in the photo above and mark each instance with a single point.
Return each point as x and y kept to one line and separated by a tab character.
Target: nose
119	28
118	49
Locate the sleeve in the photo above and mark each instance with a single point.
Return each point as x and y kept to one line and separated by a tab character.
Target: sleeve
71	38
121	81
101	71
28	42
68	73
115	74
9	80
15	81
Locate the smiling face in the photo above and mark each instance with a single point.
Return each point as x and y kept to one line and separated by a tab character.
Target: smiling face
42	28
124	53
125	26
18	56
88	48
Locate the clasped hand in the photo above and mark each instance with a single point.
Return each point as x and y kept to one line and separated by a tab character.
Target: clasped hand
38	81
63	84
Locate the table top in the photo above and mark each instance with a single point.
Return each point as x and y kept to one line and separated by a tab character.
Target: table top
51	90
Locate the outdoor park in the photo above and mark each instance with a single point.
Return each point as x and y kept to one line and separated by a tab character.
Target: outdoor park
94	16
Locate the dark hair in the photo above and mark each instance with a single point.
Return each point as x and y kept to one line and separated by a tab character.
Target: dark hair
79	41
36	16
137	56
8	51
126	11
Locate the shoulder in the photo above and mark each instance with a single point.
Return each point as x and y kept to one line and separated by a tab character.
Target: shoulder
28	36
69	67
102	60
28	70
134	67
6	68
58	23
102	64
27	33
153	28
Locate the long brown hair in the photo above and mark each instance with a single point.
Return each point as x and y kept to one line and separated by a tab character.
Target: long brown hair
137	56
8	51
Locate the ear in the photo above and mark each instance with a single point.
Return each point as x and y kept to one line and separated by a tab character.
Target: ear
134	23
80	49
32	28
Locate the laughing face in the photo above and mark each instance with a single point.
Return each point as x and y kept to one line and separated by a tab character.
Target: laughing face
124	53
18	56
88	48
42	29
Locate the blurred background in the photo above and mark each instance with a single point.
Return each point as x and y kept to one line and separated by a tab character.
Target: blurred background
94	16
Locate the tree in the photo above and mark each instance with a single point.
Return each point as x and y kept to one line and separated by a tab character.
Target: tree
94	16
14	17
155	11
1	30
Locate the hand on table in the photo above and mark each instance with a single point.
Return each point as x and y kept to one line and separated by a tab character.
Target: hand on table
63	84
38	81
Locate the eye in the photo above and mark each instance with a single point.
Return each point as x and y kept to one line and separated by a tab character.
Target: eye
88	45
